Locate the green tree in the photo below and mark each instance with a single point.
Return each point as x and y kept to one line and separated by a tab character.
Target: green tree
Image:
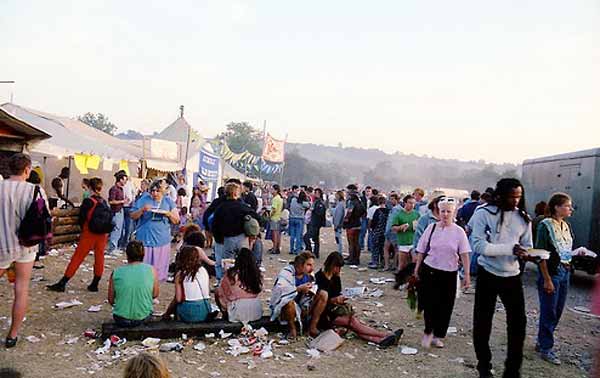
98	121
240	136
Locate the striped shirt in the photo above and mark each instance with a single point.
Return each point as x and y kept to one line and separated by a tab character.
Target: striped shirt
15	199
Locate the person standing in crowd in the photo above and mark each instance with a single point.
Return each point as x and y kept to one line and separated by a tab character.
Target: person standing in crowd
197	206
373	206
403	225
59	198
129	191
276	209
317	220
16	196
228	222
377	229
390	246
338	219
555	235
155	213
248	195
132	288
465	213
85	188
420	201
34	178
540	210
298	205
116	200
438	253
352	223
95	220
333	309
365	199
432	216
144	187
501	234
292	298
294	192
237	295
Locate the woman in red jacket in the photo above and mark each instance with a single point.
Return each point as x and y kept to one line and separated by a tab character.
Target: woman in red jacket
94	236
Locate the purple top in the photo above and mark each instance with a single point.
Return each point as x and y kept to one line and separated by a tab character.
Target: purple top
447	242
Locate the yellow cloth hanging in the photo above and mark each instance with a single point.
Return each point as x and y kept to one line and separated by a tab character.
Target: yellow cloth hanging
81	163
93	162
124	166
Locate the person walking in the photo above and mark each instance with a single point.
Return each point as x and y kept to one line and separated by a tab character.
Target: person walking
438	254
16	196
501	235
298	205
352	223
377	232
317	220
338	219
403	225
95	220
276	210
116	200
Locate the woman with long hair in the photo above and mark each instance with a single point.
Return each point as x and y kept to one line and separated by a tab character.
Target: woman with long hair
192	290
554	234
237	295
332	310
501	235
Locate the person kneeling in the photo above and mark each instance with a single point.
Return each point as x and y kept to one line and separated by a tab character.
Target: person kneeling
237	295
291	299
132	288
330	307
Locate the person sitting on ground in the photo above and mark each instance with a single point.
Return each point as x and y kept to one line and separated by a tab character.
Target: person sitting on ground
145	365
132	288
237	295
331	308
95	221
292	297
192	291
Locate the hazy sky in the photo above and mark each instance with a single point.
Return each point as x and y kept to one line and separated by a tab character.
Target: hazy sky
495	80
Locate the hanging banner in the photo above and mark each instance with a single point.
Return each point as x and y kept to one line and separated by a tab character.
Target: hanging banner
274	149
209	166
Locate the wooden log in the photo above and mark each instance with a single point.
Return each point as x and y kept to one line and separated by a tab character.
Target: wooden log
65	212
61	239
171	329
63	221
65	230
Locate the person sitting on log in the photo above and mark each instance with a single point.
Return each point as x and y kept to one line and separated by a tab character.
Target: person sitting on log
132	288
95	219
237	295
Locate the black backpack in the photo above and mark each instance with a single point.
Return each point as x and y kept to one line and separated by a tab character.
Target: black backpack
100	217
36	226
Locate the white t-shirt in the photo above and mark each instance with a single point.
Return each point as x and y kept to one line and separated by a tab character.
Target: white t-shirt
197	289
372	211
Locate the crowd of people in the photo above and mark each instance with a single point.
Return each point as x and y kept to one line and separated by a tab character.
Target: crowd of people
440	241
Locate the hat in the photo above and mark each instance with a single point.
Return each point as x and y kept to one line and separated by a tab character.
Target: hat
251	226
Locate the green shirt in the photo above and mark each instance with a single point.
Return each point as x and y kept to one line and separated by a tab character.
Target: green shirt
133	285
276	208
404	217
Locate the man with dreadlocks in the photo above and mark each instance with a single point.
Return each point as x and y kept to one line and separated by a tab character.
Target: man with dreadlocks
501	235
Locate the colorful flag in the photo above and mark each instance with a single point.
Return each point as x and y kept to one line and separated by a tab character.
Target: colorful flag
274	149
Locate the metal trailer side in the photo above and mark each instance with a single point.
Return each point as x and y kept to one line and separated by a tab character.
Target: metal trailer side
577	174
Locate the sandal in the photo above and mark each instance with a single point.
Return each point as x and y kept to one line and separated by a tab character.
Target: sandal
388	341
11	342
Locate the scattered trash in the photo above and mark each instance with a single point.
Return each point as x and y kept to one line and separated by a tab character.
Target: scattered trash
458	360
289	355
104	349
326	341
313	353
209	335
377	293
432	355
588	314
117	341
67	304
377	281
582	309
348	355
33	339
95	308
53	253
89	333
168	347
282	261
200	347
261	332
184	336
351	292
72	340
452	330
353	266
359	283
408	350
362	269
224	334
150	342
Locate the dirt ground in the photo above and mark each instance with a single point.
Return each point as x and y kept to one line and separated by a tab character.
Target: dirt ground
53	357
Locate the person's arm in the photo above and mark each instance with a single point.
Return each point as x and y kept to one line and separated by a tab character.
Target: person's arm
548	285
173	216
86	207
155	289
526	239
418	264
479	237
466	261
111	290
179	294
204	258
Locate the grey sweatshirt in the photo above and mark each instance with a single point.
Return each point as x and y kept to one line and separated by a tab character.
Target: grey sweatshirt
495	242
338	215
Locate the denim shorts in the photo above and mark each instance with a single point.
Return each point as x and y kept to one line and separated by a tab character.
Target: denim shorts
193	311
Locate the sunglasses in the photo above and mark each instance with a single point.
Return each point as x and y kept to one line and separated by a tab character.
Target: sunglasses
448	200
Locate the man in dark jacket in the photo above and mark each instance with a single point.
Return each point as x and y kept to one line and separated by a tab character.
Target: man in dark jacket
248	195
355	211
317	220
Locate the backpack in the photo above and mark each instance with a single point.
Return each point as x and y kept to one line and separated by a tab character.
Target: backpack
36	226
100	218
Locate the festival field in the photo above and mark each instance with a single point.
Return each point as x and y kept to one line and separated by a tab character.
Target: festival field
64	352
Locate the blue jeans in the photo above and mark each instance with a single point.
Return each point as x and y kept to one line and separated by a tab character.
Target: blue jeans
551	307
296	227
127	228
218	260
363	232
115	235
474	257
193	311
339	240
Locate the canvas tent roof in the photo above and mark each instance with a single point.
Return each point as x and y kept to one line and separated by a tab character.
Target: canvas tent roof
178	131
70	136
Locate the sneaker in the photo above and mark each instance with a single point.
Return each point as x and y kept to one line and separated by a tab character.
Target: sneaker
58	287
550	357
426	341
373	266
437	343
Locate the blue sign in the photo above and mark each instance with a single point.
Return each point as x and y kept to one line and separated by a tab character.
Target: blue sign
209	166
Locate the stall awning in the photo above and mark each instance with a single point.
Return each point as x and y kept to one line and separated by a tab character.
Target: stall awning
164	165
